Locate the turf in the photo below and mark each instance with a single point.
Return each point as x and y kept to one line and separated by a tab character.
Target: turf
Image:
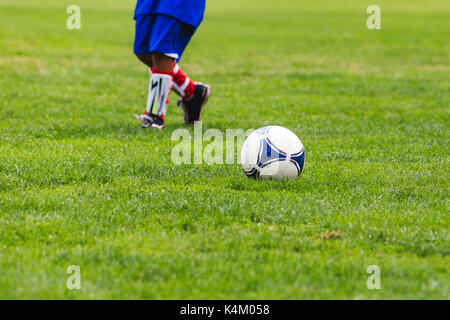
82	184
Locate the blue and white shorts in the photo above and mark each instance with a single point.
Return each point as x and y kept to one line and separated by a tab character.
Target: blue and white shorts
163	34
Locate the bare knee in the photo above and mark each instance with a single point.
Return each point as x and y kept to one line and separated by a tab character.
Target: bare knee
146	59
162	62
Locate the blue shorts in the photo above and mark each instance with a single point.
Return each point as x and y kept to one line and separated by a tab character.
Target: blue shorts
163	34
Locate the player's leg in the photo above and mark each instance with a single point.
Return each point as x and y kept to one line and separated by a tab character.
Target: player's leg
161	78
146	59
194	95
193	100
169	37
148	119
162	62
182	84
160	84
163	50
146	39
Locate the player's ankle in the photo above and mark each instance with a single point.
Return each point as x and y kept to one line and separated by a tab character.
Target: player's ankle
187	98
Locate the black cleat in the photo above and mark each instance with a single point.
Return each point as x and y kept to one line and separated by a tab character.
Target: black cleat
150	121
193	107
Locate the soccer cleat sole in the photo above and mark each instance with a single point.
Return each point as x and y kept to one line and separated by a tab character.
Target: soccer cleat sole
143	125
160	127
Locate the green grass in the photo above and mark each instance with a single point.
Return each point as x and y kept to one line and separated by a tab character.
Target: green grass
82	184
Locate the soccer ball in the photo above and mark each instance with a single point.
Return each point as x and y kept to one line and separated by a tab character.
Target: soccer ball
273	152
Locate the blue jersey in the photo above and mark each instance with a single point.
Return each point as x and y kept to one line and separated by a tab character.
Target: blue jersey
187	11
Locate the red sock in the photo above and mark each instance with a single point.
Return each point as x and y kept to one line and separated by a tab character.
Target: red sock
182	83
170	73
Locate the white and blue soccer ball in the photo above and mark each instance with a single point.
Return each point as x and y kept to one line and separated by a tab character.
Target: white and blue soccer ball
273	152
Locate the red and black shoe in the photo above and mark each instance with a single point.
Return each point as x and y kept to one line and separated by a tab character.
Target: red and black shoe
150	121
193	107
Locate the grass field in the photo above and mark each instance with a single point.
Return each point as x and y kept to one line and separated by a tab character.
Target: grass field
82	184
